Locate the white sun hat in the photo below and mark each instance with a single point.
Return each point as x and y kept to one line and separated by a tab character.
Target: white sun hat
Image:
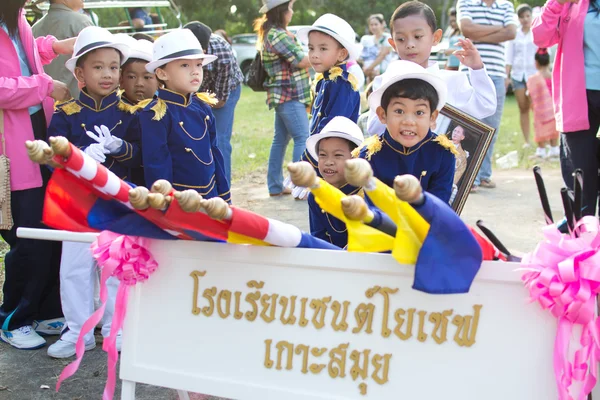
401	70
337	28
140	49
92	38
179	44
340	127
271	4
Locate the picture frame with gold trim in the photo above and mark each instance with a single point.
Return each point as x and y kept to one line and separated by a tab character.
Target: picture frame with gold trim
472	139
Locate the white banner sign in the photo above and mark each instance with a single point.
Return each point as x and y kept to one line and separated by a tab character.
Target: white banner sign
251	323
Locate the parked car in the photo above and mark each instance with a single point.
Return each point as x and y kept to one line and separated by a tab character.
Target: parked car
245	47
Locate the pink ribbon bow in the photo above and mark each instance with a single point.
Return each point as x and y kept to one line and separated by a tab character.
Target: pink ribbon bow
563	276
128	259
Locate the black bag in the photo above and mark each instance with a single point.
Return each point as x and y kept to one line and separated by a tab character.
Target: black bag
257	74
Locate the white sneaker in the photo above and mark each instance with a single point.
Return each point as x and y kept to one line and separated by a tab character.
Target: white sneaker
64	349
554	153
49	327
23	338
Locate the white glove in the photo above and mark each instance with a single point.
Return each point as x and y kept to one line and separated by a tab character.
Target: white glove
300	193
111	143
96	151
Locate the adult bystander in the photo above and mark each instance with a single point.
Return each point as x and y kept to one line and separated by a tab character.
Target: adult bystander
574	25
520	65
287	85
489	23
31	293
63	21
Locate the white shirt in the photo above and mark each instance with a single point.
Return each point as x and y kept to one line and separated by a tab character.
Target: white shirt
520	53
478	98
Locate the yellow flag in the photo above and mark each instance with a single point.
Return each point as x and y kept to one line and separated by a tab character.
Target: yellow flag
361	238
411	227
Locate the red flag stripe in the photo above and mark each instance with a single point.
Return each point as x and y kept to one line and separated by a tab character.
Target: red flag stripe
249	224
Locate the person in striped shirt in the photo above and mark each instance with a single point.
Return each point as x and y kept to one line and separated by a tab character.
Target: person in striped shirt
489	24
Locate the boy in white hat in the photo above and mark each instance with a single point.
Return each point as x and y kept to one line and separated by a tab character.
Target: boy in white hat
178	127
96	62
331	148
331	43
137	83
407	103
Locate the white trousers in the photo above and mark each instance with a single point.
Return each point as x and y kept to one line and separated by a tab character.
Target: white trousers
78	274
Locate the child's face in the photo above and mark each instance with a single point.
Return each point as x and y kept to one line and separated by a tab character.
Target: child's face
333	153
408	121
138	83
525	19
181	76
413	39
99	72
324	52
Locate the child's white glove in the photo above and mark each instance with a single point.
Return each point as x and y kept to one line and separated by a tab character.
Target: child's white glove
111	143
96	151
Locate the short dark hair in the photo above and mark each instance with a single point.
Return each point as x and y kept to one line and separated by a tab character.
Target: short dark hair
82	59
542	57
414	89
131	61
201	31
452	12
414	8
523	8
351	144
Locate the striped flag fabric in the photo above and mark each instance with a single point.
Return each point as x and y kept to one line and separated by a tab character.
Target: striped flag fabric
276	233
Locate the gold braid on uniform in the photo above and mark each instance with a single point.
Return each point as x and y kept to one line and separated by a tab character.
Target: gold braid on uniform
372	144
160	108
70	107
140	106
335	72
446	143
208	98
127	107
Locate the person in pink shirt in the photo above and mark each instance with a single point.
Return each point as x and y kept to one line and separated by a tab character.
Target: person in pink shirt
31	295
574	26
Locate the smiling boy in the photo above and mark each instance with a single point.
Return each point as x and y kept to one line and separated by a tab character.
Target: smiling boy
407	103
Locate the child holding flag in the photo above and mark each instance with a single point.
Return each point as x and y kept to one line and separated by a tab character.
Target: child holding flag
96	63
331	148
407	103
331	43
178	127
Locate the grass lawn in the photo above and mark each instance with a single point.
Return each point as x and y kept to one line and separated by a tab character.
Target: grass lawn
253	134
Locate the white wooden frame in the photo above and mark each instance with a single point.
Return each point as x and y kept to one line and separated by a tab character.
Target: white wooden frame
511	358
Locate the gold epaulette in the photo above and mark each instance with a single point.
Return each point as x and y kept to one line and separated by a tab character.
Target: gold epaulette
69	107
160	108
127	107
208	98
446	143
335	72
372	144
